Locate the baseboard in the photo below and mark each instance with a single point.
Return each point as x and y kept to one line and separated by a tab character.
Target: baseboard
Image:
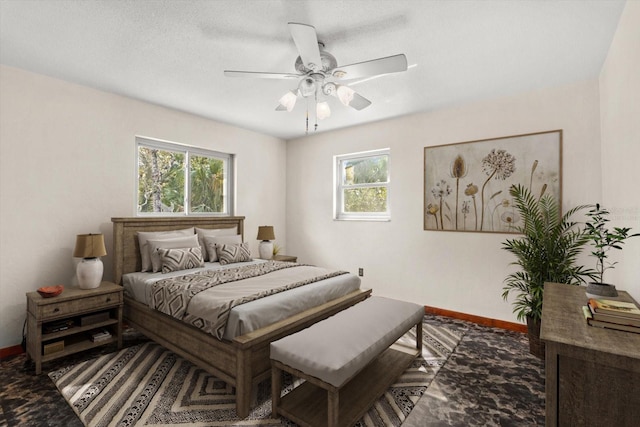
484	321
10	351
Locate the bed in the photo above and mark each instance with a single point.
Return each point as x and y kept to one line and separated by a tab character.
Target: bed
242	361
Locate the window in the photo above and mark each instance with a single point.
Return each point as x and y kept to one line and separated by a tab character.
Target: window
362	185
176	179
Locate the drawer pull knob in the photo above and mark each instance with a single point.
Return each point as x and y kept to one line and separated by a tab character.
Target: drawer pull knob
108	299
55	310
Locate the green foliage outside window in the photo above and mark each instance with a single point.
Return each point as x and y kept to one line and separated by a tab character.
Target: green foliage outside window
207	184
372	199
161	182
359	195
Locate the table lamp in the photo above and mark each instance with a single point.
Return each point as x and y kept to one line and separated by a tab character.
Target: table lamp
89	247
266	234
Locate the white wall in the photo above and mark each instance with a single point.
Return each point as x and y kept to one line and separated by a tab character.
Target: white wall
458	271
620	127
67	166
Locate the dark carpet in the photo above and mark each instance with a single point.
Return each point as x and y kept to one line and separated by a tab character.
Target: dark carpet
489	380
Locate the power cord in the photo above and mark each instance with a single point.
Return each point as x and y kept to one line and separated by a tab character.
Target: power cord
24	336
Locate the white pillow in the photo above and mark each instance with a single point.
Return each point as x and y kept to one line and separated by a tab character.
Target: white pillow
213	232
176	243
144	236
211	242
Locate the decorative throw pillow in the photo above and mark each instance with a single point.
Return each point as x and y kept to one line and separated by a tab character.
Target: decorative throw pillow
180	259
230	253
177	243
213	232
210	242
144	236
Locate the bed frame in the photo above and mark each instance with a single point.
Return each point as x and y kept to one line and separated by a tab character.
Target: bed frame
243	362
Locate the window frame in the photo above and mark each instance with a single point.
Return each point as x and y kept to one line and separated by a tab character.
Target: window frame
188	151
338	195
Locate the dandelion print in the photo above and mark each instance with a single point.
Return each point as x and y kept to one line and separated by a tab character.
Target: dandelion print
498	164
440	191
510	218
465	212
468	182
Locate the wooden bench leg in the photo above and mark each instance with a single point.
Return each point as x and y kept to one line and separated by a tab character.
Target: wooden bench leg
276	389
419	336
333	407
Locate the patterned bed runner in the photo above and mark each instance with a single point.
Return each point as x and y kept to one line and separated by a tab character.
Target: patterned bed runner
172	296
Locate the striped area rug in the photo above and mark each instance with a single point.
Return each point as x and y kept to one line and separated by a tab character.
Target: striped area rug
149	385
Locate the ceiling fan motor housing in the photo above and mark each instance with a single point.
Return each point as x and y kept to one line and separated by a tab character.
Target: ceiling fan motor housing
328	63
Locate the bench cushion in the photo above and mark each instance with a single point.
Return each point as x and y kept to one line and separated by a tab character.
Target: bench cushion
338	347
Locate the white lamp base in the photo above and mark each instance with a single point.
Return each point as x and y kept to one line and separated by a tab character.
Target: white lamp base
89	273
265	249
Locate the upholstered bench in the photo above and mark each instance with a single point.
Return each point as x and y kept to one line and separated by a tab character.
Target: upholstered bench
347	361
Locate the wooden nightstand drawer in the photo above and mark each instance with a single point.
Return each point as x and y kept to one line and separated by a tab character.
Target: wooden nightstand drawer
78	306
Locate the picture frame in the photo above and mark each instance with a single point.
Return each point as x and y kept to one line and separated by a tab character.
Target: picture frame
466	184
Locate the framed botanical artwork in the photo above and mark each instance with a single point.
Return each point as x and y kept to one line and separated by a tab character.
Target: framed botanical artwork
466	184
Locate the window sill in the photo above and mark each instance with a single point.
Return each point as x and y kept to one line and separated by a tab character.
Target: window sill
363	219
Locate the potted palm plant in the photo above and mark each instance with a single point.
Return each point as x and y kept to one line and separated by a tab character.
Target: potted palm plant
546	252
603	240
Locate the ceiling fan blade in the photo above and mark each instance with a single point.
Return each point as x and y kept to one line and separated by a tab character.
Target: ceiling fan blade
260	75
349	97
390	64
306	40
346	95
359	102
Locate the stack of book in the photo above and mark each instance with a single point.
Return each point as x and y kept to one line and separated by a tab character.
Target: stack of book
101	335
620	315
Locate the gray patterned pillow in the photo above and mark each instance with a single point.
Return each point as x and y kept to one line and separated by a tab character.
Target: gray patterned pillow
210	243
180	259
230	253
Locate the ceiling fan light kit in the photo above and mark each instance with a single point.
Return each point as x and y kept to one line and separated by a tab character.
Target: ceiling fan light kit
322	110
288	100
345	94
318	72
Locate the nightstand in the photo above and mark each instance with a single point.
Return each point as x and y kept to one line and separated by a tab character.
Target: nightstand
70	322
285	258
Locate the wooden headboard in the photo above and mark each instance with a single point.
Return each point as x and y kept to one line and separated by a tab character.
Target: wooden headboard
126	251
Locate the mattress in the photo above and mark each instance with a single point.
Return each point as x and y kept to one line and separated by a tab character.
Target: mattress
256	314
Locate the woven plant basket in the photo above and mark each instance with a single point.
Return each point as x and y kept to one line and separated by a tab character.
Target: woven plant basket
536	346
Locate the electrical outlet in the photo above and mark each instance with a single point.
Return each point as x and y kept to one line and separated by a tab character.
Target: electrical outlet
361	272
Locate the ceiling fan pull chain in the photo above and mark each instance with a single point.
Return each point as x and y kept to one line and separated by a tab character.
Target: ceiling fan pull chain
315	128
306	131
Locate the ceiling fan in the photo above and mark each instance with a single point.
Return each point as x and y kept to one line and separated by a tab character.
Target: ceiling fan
319	74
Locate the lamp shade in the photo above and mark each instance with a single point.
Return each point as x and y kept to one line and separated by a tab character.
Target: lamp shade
265	232
89	246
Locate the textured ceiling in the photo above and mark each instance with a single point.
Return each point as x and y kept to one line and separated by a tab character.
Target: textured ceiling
173	53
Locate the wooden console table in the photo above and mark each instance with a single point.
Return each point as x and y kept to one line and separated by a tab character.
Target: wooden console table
592	374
